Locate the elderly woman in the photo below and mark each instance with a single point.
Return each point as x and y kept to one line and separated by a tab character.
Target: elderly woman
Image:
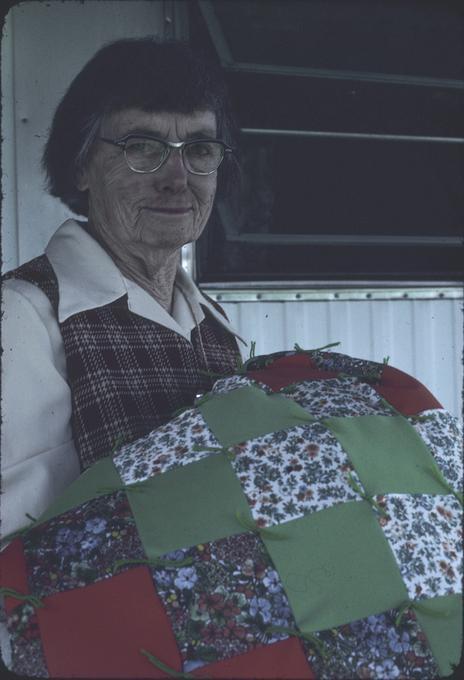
104	335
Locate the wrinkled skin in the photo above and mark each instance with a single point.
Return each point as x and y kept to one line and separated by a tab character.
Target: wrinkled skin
143	220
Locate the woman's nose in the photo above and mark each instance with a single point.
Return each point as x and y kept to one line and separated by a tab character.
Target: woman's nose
173	174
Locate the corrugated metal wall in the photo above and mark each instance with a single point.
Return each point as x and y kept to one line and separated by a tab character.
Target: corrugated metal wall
422	337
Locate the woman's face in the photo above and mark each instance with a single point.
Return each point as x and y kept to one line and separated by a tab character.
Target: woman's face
165	209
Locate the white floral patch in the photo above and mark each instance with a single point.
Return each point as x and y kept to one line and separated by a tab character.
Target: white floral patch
233	382
425	534
290	473
167	447
443	435
339	397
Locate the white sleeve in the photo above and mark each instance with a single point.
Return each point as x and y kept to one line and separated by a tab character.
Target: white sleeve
39	458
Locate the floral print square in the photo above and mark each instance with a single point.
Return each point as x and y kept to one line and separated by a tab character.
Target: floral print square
82	545
425	535
369	371
374	647
290	473
233	382
222	599
337	397
443	434
174	444
27	654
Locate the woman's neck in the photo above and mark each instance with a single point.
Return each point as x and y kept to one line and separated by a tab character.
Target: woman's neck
152	270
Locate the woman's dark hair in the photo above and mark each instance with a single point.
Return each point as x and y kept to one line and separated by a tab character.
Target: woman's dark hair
134	73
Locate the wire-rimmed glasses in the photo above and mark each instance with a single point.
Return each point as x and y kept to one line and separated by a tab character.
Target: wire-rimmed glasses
144	153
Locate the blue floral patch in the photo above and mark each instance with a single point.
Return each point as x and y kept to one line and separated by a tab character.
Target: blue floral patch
82	545
377	647
222	599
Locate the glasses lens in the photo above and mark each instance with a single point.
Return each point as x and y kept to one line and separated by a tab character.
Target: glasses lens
144	154
203	157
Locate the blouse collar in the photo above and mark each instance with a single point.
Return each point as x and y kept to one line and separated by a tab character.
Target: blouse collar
88	278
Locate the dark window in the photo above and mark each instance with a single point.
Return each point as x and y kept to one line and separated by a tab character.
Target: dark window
382	198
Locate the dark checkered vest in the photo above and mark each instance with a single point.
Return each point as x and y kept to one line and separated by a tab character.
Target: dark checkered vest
128	374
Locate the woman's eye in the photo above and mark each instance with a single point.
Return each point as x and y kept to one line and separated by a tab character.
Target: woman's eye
139	147
200	149
145	147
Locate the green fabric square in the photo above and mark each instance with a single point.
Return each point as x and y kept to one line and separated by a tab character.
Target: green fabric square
248	412
101	475
441	621
336	566
192	504
388	454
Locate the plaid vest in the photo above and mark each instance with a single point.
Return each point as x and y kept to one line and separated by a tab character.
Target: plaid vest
128	374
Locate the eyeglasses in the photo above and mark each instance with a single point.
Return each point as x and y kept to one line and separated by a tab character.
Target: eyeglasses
148	154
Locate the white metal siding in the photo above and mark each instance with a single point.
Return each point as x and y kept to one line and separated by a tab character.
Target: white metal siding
421	337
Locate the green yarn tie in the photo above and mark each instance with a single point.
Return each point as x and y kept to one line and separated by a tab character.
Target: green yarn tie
420	607
163	667
300	350
214	449
291	632
32	599
138	486
251	525
355	486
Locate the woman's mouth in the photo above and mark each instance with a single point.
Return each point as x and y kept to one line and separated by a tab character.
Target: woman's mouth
170	210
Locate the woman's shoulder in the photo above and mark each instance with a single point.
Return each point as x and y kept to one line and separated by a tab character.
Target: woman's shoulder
34	280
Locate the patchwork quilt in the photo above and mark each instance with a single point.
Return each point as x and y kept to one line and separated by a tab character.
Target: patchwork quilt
302	520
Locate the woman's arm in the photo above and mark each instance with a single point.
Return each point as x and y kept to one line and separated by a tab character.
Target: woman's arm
38	455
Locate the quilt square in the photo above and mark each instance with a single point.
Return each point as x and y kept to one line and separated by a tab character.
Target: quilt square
374	647
350	574
286	370
443	434
165	448
249	412
233	382
405	393
425	535
192	504
388	454
223	601
27	658
99	631
82	545
338	397
290	473
364	369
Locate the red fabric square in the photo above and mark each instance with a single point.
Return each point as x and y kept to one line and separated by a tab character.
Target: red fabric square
287	370
284	659
404	392
13	572
99	630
